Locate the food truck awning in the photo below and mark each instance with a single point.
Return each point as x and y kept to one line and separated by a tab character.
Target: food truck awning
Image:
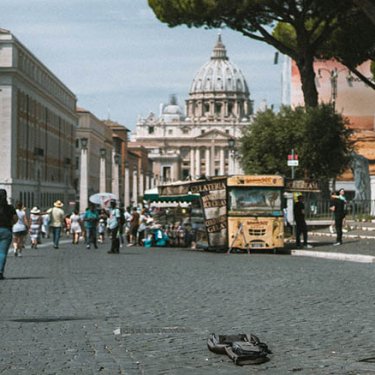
173	196
301	186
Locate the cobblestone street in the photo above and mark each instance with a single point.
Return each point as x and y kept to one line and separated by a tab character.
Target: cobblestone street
150	311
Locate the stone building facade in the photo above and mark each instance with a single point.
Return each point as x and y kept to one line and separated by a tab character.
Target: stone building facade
99	155
37	123
218	109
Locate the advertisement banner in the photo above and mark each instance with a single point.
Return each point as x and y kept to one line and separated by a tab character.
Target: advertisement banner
214	205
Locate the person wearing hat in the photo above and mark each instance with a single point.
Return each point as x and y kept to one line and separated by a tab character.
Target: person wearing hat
8	217
35	225
57	221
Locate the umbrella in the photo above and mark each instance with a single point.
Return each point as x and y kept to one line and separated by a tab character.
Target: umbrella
103	199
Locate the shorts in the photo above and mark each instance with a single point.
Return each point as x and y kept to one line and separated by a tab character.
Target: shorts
20	234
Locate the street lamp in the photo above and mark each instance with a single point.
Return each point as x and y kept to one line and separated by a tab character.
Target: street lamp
334	74
231	143
84	143
103	153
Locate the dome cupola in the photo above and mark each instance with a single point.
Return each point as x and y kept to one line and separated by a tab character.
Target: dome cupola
219	88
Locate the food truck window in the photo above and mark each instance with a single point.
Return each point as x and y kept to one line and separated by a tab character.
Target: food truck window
251	199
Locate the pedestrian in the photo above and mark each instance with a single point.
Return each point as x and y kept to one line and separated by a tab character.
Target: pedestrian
75	226
90	221
127	216
35	226
57	221
8	217
338	207
45	225
19	230
142	226
301	226
113	223
134	225
102	225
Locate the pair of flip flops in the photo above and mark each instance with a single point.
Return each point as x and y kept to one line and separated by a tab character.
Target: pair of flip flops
242	349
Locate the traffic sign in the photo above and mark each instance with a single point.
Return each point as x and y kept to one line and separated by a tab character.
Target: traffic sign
292	163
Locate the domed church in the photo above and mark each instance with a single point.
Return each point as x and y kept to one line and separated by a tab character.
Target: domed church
195	143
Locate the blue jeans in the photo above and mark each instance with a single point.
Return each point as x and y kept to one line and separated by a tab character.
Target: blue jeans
5	241
56	232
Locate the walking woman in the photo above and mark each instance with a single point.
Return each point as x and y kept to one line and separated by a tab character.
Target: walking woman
19	230
35	225
8	217
75	226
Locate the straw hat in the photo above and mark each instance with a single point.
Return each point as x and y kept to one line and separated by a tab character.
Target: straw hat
35	210
58	204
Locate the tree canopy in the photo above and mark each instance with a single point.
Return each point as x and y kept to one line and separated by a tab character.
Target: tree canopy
312	22
318	135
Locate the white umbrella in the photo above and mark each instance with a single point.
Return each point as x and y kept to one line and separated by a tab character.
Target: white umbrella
103	199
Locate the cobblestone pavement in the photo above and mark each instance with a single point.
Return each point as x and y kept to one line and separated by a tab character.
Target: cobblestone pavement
150	311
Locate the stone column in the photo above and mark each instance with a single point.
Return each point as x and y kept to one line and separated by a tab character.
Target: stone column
83	182
102	171
135	189
141	184
148	181
192	153
127	186
212	159
115	174
222	161
197	162
208	162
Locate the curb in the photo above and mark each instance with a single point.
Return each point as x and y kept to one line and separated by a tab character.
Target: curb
324	234
335	256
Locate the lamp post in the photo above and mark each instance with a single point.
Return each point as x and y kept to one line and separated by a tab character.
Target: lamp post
102	172
333	76
232	155
83	193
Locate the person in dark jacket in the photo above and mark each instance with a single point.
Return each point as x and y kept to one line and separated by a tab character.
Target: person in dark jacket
8	217
301	226
338	206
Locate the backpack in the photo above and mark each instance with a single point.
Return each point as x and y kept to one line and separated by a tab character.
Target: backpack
242	349
121	219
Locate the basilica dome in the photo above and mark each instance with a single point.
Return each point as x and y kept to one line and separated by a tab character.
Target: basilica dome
219	75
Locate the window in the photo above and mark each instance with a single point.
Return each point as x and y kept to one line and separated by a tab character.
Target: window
170	131
255	199
151	130
203	131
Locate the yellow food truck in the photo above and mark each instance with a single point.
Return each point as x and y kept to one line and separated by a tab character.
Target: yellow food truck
239	212
255	212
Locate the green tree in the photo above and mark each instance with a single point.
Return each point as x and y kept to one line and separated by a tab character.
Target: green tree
312	23
319	136
352	44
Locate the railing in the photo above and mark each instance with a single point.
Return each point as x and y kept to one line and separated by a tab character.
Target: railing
356	210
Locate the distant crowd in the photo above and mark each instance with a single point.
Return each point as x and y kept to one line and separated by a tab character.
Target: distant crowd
123	227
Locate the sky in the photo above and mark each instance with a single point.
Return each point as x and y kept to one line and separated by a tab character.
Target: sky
121	62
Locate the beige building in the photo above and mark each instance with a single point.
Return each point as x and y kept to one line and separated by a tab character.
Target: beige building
97	139
217	110
37	125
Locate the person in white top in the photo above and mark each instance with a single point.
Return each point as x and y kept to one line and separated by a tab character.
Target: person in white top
75	226
19	230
